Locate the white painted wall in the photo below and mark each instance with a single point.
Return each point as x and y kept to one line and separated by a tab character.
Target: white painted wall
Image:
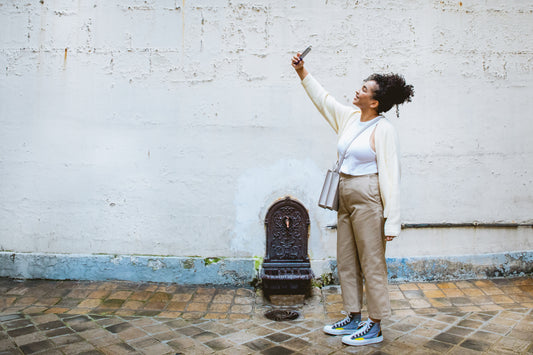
169	127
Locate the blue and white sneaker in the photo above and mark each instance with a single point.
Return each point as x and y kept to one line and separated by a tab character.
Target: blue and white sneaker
368	333
347	325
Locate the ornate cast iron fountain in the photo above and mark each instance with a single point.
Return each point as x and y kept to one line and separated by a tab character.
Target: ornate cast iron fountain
286	267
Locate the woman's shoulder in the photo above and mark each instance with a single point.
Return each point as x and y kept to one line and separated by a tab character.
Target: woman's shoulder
351	119
385	126
385	132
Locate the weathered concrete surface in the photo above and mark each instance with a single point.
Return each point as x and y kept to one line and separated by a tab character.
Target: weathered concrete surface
244	272
184	271
461	267
169	127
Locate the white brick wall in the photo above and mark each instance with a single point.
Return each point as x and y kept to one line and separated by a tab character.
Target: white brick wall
169	127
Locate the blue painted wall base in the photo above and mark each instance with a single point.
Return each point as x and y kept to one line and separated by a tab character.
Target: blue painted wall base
242	272
141	268
461	267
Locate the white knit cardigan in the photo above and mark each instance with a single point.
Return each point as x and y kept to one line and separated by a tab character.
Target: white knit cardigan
340	117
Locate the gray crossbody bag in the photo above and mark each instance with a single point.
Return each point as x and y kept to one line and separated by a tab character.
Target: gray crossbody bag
329	197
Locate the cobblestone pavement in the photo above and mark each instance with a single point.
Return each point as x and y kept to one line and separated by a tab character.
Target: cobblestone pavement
76	317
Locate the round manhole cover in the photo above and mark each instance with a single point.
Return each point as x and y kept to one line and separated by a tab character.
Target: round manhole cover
280	315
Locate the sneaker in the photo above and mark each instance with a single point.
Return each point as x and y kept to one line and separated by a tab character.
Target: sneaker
368	333
347	325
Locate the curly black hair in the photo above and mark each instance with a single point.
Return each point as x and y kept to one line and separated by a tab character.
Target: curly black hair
392	90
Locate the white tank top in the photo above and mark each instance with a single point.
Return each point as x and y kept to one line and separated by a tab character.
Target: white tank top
360	158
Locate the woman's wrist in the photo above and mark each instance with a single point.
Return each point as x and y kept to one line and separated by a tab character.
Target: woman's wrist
302	73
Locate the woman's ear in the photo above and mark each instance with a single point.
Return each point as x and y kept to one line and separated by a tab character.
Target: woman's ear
374	104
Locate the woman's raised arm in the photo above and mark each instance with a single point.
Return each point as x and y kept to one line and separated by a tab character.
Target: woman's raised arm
298	65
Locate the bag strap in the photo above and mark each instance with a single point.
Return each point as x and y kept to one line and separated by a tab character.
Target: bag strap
341	158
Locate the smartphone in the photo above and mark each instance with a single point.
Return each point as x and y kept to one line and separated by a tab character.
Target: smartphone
304	53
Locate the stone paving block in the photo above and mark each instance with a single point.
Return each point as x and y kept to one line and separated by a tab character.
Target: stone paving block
296	330
239	308
495	328
446	285
244	292
408	287
119	349
7	344
47	301
216	316
51	325
132	305
36	347
18	291
425	332
411	329
393	348
223	298
403	327
259	344
193	315
26	301
419	303
17	332
92	334
99	294
219	344
492	291
501	299
512	345
30	338
76	348
202	298
409	294
160	297
67	339
243	300
170	314
19	322
131	333
433	293
279	325
403	312
59	332
45	318
143	343
182	297
427	286
225	291
277	350
57	310
219	307
439	302
453	292
104	341
77	293
119	295
464	284
473	292
393	295
140	296
156	329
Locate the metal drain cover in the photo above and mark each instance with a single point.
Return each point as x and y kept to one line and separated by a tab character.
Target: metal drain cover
280	315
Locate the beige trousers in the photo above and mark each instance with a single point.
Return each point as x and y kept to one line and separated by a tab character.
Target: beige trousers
361	246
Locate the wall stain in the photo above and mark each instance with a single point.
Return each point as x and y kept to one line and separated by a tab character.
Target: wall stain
65	59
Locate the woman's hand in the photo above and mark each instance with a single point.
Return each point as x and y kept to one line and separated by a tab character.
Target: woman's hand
389	238
298	65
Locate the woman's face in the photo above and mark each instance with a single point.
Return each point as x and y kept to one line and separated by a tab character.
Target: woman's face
364	97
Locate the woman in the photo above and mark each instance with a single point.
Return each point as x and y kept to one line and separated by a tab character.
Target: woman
369	206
